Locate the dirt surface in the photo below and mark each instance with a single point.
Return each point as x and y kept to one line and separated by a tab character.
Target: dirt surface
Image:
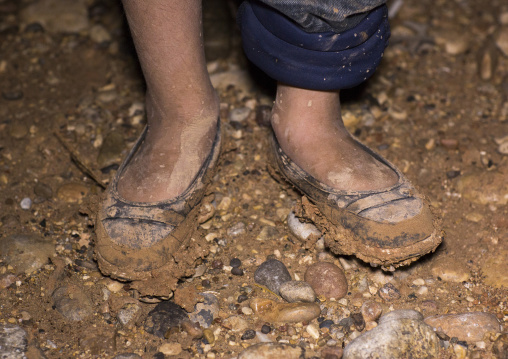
71	106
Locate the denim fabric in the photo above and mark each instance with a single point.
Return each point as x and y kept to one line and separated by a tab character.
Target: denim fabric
325	15
316	61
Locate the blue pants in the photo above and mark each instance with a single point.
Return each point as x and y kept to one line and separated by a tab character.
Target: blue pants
315	44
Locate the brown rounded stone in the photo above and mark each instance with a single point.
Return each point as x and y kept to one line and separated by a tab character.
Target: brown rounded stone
470	327
273	312
371	310
327	280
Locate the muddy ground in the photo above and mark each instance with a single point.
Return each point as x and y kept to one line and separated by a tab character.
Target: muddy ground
437	108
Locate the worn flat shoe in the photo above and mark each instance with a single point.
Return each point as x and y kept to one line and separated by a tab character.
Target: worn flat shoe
388	227
149	243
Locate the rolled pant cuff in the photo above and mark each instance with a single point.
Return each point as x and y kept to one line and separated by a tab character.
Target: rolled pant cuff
315	61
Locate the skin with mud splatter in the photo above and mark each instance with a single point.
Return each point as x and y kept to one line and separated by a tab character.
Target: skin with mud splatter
310	131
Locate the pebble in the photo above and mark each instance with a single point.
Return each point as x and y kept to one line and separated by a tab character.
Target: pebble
500	346
18	130
26	253
502	40
236	230
358	321
237	271
72	302
266	233
495	269
265	329
96	344
209	336
272	273
313	331
389	292
241	79
419	282
99	34
484	188
327	280
396	336
170	348
460	351
236	323
302	230
332	352
207	310
13	342
249	334
127	356
57	16
129	314
272	351
470	327
371	310
450	271
297	291
72	192
43	190
449	143
164	316
13	94
26	203
327	323
271	311
191	328
239	114
114	286
6	280
235	262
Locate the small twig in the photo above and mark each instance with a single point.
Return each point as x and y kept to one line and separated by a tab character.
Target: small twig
79	163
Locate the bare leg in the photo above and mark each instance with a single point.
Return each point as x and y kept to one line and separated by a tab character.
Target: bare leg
181	105
309	129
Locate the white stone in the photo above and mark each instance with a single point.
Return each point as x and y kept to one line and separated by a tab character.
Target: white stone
170	348
313	330
302	230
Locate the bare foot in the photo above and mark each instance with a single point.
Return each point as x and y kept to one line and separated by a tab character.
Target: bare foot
309	129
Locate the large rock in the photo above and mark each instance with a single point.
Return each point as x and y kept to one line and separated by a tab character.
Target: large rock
470	327
395	337
72	302
57	16
26	252
13	342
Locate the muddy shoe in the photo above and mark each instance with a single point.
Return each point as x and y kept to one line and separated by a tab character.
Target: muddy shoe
388	227
150	243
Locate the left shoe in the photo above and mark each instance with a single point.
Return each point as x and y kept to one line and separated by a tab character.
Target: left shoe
389	227
150	244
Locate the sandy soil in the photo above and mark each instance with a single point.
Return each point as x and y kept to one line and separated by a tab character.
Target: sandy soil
437	108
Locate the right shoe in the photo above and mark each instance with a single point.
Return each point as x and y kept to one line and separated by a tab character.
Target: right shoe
389	227
149	244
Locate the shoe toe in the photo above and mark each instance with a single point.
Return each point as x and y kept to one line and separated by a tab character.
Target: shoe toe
134	233
394	211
